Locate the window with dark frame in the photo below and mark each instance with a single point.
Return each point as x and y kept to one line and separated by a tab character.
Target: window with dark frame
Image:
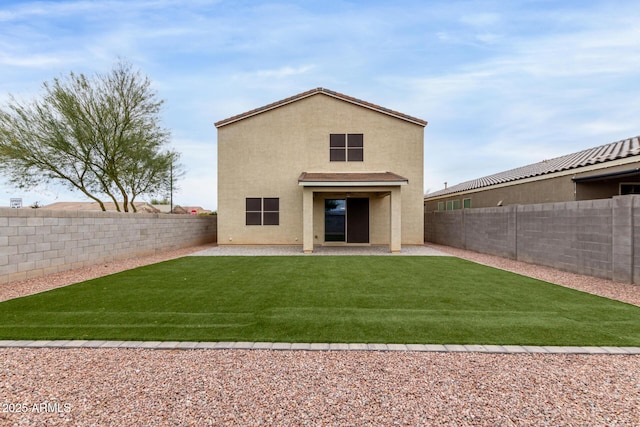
262	211
355	147
346	147
629	188
338	147
271	211
254	211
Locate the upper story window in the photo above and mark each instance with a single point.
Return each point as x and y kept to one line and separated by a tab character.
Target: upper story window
346	147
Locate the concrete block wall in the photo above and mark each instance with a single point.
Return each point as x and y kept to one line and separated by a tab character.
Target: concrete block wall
445	229
570	236
492	230
599	238
623	227
35	242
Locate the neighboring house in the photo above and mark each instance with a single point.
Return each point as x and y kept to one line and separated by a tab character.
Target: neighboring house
162	208
190	210
142	207
597	173
321	168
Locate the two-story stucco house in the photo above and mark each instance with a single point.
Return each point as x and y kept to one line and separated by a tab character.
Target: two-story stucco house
321	168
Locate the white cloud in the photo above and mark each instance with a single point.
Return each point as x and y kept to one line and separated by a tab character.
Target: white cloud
488	38
284	71
30	61
495	83
481	20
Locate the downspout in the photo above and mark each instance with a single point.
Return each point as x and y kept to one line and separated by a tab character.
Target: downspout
634	243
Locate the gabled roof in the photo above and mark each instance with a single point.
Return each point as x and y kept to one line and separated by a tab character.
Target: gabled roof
322	91
616	150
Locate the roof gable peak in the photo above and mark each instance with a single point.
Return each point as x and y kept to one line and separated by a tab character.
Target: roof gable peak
323	91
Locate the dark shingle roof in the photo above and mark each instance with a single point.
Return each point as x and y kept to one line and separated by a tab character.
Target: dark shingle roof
604	153
324	91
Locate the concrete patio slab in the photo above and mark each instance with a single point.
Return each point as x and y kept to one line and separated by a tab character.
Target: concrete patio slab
289	250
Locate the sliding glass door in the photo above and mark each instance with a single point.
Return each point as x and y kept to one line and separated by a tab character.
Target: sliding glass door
346	220
335	214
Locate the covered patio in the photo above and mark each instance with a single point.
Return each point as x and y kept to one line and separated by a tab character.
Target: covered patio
336	191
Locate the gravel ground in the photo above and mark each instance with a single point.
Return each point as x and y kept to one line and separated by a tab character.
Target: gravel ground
235	387
238	387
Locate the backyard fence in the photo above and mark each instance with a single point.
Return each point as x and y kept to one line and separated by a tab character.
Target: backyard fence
35	242
599	238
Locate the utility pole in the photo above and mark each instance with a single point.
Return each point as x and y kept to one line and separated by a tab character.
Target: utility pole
171	187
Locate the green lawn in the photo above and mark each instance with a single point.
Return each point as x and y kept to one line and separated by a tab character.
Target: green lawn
322	299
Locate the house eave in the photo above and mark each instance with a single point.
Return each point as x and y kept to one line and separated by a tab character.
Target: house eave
351	179
351	183
610	175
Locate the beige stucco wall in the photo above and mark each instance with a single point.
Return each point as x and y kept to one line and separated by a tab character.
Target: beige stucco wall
263	156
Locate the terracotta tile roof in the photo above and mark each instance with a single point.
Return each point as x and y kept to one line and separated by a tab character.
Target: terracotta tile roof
323	91
617	150
353	177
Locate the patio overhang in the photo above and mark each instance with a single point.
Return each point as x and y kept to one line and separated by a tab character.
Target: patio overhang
382	183
611	175
351	179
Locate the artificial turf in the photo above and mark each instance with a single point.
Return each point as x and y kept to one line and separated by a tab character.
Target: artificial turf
437	300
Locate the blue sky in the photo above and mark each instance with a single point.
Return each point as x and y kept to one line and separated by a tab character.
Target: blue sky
501	83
